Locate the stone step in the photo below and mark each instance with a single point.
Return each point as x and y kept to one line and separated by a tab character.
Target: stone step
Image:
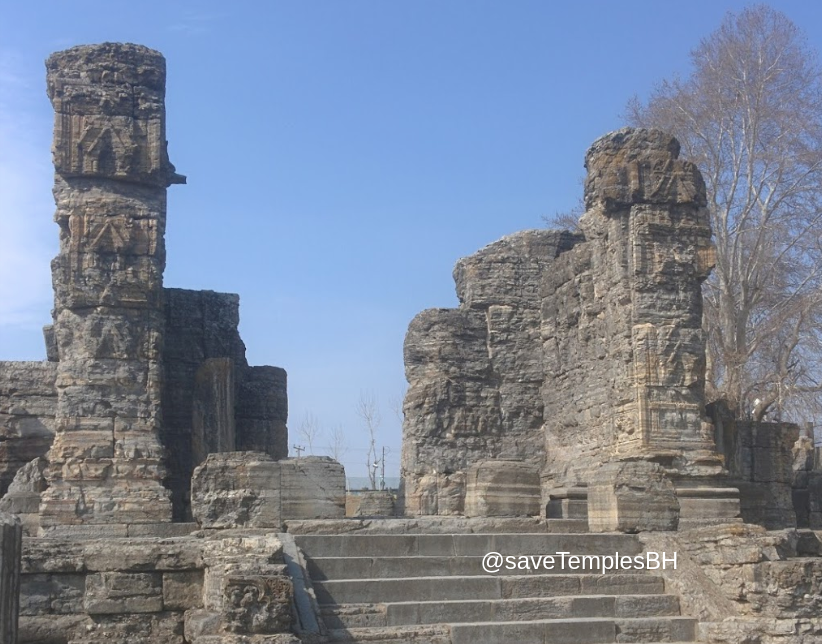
336	568
436	525
454	611
391	545
439	634
572	631
461	587
671	630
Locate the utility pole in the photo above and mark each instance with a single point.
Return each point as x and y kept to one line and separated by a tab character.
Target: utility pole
299	449
382	472
374	466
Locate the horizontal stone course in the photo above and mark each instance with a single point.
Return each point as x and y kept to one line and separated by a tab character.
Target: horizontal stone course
376	545
485	587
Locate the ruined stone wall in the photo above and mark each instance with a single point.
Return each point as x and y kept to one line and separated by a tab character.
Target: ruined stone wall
213	400
201	330
475	372
746	584
571	350
146	590
142	382
27	405
762	468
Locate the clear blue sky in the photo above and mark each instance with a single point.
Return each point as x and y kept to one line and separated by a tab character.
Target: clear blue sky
341	156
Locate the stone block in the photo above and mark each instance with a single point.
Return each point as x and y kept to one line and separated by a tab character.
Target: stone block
631	496
502	488
371	503
256	603
133	628
707	504
567	503
312	488
123	592
237	489
45	594
183	590
200	622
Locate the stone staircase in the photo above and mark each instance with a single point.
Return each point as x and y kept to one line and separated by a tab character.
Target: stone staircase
432	589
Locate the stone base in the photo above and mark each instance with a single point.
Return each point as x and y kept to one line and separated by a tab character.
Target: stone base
104	501
567	503
701	505
631	496
502	488
251	490
373	503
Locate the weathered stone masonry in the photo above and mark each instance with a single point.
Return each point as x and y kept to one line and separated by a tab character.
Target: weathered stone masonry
571	350
142	381
111	174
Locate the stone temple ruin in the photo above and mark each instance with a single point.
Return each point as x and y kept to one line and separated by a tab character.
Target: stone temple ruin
148	497
569	351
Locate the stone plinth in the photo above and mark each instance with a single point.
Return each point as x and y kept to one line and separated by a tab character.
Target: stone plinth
631	496
567	503
237	489
371	503
707	504
250	489
11	537
502	488
313	487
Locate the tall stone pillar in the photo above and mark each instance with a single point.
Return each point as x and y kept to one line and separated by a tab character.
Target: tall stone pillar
11	538
111	174
648	223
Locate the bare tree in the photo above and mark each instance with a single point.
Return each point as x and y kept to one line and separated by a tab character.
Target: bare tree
568	220
339	443
750	116
369	413
395	403
309	430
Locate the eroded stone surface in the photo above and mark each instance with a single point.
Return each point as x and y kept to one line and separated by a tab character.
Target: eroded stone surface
123	592
250	489
27	406
502	488
632	496
571	350
313	487
112	169
23	496
131	379
237	489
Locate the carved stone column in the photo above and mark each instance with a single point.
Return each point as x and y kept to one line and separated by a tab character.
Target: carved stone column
111	175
